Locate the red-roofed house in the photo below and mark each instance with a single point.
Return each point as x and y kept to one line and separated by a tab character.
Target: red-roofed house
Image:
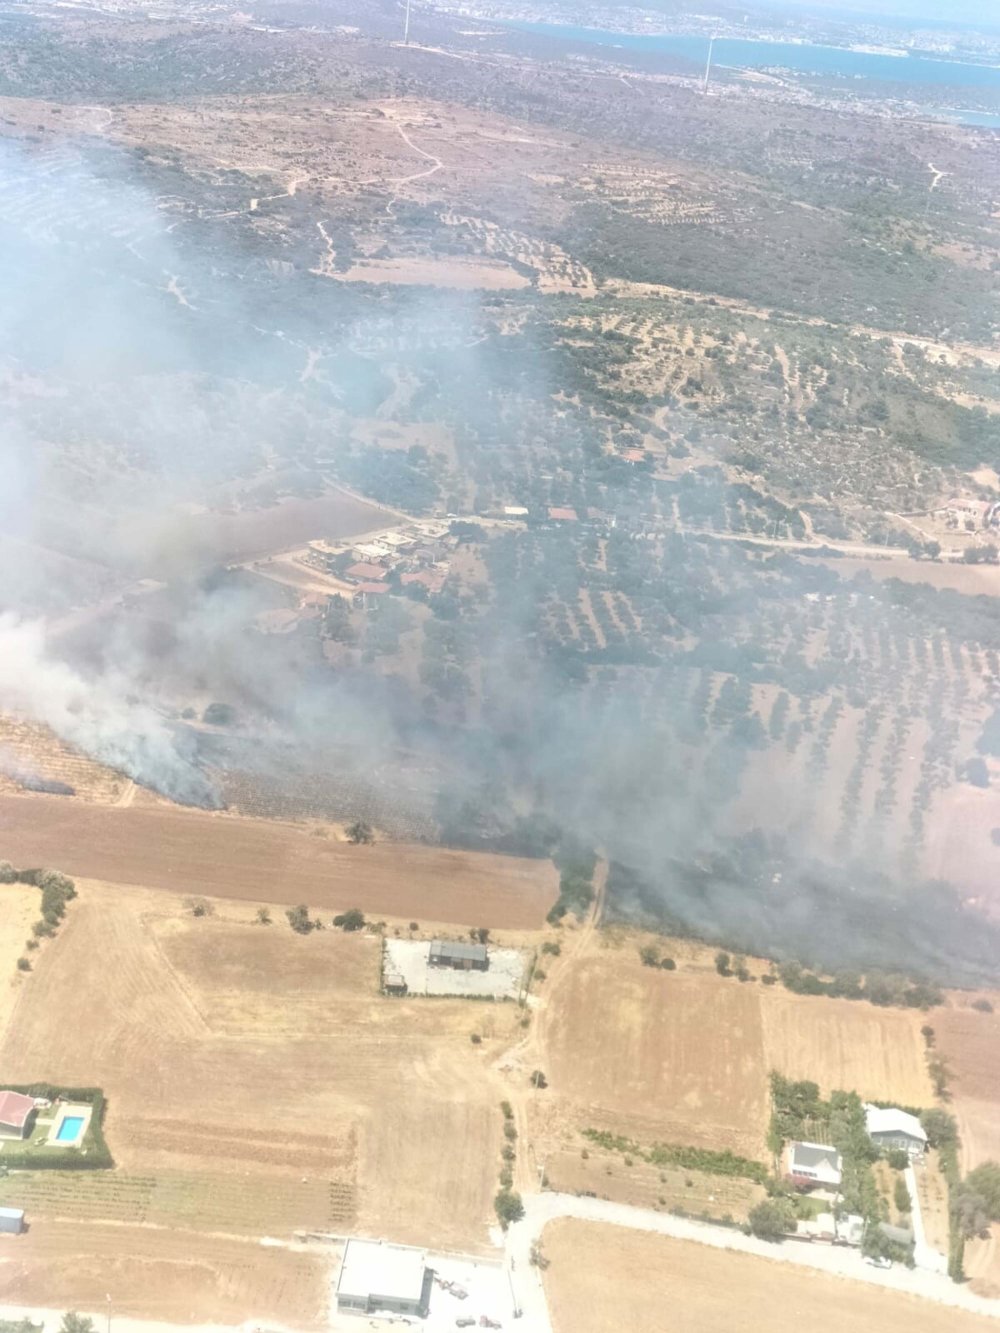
373	588
15	1114
365	573
433	580
562	515
634	455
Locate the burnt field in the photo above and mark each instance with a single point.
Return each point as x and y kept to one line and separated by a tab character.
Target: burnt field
192	852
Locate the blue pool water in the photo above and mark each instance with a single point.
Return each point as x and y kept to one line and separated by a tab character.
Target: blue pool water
69	1129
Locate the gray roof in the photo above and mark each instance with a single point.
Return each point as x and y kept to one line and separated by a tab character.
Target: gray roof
815	1154
453	949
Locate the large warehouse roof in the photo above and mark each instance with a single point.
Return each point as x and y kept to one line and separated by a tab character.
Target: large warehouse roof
372	1268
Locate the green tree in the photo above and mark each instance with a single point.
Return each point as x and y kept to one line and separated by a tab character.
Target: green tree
901	1196
298	919
76	1323
507	1203
771	1219
722	961
8	874
353	919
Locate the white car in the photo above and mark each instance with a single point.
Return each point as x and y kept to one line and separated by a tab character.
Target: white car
878	1261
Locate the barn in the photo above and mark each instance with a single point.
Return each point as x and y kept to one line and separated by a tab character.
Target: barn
889	1127
376	1277
464	957
16	1112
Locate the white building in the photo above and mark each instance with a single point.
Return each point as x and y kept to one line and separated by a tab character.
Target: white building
889	1127
814	1164
375	1276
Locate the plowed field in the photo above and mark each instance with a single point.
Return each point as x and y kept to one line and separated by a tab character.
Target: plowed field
190	851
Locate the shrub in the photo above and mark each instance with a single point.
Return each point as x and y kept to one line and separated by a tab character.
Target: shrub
507	1110
414	926
263	916
509	1207
506	1178
650	955
983	1006
354	919
509	1130
552	946
901	1196
199	907
898	1159
507	1153
668	964
299	920
540	974
23	965
8	875
771	1219
538	1079
360	832
722	961
475	1038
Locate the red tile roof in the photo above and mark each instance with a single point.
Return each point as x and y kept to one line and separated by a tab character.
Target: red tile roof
365	571
15	1108
432	580
634	455
373	587
566	515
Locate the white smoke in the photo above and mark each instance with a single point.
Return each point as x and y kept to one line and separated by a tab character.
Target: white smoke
95	714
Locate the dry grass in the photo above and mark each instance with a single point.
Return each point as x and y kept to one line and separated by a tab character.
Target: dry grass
190	851
878	1053
677	1056
645	1186
165	1275
19	909
257	1083
604	1279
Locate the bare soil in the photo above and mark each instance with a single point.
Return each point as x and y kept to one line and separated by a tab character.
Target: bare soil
603	1279
191	851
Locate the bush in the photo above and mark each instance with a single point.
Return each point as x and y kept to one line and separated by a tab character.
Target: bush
983	1006
898	1158
354	919
509	1207
508	1153
668	964
263	916
509	1130
538	1079
360	833
475	1038
8	875
507	1110
506	1178
199	907
722	961
552	946
650	955
901	1196
299	920
23	965
771	1219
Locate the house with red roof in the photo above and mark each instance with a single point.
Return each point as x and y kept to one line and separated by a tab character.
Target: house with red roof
16	1111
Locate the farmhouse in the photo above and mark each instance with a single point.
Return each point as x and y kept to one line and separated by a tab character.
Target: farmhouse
811	1164
15	1114
889	1127
375	1277
445	953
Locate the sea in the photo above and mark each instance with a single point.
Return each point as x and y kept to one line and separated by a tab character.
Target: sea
805	58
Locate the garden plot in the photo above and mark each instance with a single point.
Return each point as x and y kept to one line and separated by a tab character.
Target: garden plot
501	980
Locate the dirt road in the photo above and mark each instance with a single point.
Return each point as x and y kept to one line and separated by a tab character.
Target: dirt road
223	856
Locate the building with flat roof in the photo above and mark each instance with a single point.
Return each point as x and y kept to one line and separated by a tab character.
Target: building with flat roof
448	953
375	1276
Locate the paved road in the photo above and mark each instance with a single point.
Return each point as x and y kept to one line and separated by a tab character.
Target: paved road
840	1262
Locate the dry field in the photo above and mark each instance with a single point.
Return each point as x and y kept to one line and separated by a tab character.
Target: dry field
190	851
257	1082
878	1053
959	843
19	909
31	749
165	1275
970	1044
684	1056
672	1056
604	1279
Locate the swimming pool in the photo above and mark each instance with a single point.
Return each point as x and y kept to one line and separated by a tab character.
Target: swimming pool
69	1130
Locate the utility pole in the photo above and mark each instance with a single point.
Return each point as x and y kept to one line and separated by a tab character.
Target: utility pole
406	25
108	1295
708	64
